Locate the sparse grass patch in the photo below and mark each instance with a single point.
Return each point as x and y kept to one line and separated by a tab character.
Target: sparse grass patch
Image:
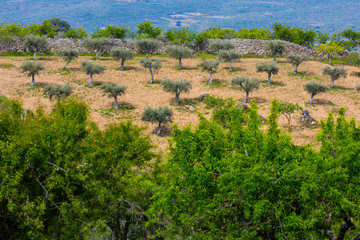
202	55
6	65
77	82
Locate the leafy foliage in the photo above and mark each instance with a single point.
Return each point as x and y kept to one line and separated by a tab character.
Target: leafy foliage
111	31
60	25
276	47
179	52
314	88
91	69
32	68
329	49
353	59
229	55
209	66
218	45
146	30
160	115
124	54
75	33
96	44
177	87
35	43
68	55
180	36
148	46
287	109
246	83
152	65
335	73
113	90
58	91
296	59
60	173
268	67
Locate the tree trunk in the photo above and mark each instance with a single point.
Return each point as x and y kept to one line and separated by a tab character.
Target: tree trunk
35	55
159	130
329	58
295	70
104	51
269	79
311	99
147	55
211	78
231	66
275	59
332	83
246	97
97	54
152	76
289	122
122	64
180	64
176	100
116	106
90	81
32	80
66	65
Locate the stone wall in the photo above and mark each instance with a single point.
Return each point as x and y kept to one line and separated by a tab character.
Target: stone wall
246	46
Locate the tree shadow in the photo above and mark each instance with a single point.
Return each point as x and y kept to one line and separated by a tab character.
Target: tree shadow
166	131
342	88
356	74
127	68
258	100
273	83
323	102
185	68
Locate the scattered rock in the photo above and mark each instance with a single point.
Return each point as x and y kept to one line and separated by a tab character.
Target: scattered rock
307	120
19	92
191	108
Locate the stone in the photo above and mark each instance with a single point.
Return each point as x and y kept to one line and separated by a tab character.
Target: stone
307	120
191	108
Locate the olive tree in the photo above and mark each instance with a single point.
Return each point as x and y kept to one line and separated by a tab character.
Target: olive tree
91	69
314	88
179	52
113	90
160	115
35	43
268	67
334	73
209	66
147	45
276	47
97	45
247	84
176	87
68	55
152	65
296	59
32	68
58	91
329	49
218	45
124	54
229	55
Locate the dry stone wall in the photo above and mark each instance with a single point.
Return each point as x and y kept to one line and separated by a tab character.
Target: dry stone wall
245	46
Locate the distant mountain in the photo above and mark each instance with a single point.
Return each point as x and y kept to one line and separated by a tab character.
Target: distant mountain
323	15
